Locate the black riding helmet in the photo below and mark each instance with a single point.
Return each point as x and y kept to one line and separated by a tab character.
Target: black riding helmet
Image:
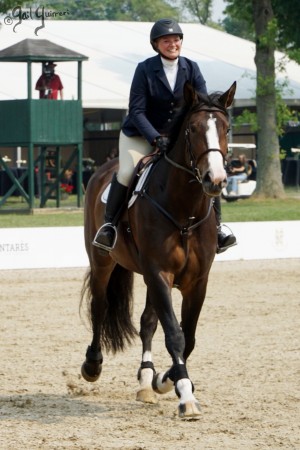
164	27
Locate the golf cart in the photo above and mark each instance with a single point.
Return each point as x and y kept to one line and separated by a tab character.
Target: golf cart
246	187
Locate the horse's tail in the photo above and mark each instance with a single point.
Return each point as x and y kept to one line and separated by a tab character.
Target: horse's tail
117	328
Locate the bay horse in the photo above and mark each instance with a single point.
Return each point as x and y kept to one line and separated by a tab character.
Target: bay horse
169	236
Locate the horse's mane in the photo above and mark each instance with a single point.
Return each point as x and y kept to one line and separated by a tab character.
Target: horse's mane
209	101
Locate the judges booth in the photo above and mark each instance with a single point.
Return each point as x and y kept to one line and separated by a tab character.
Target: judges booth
40	124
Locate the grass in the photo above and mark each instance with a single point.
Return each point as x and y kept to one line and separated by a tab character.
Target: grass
257	210
243	210
15	214
61	219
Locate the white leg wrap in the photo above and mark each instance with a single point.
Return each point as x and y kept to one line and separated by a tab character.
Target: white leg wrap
184	387
146	378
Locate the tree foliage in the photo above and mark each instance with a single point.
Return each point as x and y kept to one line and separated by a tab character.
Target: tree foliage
131	10
200	9
6	5
288	31
238	27
240	22
270	22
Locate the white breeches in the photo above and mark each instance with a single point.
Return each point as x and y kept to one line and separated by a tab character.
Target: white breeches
131	150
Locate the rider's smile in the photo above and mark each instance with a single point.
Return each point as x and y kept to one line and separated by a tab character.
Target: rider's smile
169	46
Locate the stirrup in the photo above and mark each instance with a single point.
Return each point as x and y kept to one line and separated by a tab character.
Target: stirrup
232	244
223	249
103	246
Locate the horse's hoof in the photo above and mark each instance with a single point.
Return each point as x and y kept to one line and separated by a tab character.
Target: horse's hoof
189	410
86	372
146	396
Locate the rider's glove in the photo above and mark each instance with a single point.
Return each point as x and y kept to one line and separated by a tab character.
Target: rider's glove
162	143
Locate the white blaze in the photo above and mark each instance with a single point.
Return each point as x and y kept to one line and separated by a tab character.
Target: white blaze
215	160
212	134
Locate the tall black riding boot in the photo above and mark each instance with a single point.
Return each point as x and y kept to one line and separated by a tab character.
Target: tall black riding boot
106	236
226	239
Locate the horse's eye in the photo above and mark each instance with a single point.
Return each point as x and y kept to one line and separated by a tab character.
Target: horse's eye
228	129
193	128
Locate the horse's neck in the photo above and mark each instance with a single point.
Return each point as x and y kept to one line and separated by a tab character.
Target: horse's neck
178	151
176	187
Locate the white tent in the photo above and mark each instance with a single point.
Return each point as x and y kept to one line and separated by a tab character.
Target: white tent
115	48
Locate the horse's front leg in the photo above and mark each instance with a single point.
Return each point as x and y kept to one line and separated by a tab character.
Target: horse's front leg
192	302
177	376
159	288
146	371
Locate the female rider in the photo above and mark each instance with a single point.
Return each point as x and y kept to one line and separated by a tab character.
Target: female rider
155	104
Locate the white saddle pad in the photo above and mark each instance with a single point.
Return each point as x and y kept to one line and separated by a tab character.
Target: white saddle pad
138	188
104	196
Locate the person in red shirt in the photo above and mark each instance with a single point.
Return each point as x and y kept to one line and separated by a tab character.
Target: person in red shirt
49	84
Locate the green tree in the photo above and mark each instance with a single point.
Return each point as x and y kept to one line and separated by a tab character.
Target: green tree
287	15
269	181
240	22
200	9
271	22
238	27
146	11
6	5
131	10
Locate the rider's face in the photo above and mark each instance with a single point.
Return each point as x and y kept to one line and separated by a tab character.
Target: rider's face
169	46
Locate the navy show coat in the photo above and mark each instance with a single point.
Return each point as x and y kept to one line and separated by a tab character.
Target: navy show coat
153	106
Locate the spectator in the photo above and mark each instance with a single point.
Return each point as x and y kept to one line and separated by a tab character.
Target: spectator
112	154
238	171
49	84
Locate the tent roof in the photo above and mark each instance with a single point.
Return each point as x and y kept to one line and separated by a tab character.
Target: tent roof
115	48
38	50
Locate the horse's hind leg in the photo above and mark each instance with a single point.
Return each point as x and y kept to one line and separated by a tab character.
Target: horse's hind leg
146	371
92	366
110	291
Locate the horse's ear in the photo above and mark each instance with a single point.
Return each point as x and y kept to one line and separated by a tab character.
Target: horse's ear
226	99
189	93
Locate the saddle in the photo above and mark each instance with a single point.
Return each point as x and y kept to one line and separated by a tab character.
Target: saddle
140	174
144	165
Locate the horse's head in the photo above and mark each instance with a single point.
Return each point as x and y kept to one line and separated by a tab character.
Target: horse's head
206	131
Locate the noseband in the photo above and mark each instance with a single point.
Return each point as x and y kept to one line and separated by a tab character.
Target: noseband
188	147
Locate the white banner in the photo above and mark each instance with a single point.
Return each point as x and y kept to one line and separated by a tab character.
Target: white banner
32	248
264	240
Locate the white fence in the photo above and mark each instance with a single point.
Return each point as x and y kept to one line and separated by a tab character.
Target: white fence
32	248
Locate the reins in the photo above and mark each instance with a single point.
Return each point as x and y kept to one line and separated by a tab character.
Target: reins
178	166
183	229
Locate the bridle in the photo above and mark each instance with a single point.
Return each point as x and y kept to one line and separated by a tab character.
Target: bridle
193	170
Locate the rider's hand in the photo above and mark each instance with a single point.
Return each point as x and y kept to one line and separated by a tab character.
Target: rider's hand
162	143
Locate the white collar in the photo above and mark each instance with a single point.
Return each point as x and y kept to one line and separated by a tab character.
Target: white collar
169	63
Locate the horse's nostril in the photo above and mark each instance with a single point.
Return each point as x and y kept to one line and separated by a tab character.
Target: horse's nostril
207	178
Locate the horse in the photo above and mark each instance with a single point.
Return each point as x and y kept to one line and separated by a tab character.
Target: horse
169	236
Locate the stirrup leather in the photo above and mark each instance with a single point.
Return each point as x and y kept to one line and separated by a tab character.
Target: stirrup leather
103	246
